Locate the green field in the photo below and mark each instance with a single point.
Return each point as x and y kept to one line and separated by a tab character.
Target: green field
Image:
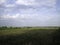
29	36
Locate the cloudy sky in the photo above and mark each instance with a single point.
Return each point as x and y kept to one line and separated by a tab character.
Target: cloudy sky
29	12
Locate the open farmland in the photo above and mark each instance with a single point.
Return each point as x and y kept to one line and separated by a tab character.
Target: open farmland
29	35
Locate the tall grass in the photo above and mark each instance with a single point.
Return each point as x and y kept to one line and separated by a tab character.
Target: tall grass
30	36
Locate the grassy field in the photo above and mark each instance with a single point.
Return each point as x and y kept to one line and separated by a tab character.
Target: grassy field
29	36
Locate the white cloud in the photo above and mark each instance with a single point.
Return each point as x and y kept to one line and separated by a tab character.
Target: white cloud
9	5
2	1
48	2
9	16
33	19
43	12
36	2
44	18
16	16
26	2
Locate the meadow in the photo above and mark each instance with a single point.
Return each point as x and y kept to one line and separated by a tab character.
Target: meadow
29	35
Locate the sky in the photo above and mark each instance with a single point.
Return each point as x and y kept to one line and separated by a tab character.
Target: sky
29	12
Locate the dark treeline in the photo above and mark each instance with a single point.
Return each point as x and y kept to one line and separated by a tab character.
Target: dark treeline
10	27
37	37
6	27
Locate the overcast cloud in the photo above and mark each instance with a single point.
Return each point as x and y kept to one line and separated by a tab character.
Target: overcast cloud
29	13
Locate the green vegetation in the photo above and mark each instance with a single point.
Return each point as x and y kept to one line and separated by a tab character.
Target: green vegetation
29	35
